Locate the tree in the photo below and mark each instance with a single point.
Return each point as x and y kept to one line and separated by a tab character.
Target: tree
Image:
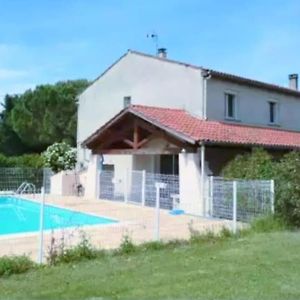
10	142
47	114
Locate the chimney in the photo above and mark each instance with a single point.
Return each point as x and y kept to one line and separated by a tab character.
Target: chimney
162	52
126	101
293	81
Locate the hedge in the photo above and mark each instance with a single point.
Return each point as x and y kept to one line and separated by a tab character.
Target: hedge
25	161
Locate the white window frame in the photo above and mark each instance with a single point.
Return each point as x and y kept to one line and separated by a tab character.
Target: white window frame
235	108
276	112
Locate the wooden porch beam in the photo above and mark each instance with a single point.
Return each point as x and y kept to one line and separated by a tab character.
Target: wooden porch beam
129	143
139	151
144	141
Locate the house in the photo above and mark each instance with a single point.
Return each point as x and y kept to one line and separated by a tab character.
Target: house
163	116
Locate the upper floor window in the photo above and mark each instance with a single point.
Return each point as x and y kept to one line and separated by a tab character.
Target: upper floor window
273	112
230	106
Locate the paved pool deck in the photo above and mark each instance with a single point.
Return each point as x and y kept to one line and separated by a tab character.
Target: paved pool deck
136	221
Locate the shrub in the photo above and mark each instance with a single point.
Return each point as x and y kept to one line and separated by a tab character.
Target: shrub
58	253
15	265
287	184
286	173
60	157
255	165
25	161
126	246
268	223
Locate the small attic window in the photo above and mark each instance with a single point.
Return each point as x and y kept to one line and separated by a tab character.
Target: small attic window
126	101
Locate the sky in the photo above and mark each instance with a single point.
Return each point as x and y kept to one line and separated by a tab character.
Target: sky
45	41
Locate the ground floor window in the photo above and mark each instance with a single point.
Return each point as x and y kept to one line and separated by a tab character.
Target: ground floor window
169	164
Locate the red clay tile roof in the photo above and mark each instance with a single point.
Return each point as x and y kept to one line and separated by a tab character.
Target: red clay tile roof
184	124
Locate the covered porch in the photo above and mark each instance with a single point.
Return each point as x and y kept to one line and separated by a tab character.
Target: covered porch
155	154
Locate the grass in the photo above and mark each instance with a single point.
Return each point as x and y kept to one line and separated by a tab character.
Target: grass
254	266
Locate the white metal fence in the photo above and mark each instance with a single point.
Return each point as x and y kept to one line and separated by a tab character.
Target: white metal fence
143	205
241	200
254	198
11	179
138	187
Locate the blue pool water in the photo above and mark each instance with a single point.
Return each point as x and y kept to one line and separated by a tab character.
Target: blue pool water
19	216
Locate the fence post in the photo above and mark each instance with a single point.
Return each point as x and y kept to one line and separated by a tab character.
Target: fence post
41	235
98	187
211	195
126	186
272	190
143	187
234	207
158	185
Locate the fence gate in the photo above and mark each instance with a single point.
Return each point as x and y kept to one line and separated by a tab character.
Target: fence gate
254	198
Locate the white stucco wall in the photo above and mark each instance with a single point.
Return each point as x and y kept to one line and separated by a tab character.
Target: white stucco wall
91	187
252	104
148	81
191	198
63	183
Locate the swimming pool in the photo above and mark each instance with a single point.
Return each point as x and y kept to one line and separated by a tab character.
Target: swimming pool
20	216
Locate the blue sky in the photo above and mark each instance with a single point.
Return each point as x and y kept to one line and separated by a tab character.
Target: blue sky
50	40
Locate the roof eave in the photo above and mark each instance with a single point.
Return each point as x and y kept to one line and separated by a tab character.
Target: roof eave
248	145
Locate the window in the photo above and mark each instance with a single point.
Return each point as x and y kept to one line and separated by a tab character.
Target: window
230	105
273	112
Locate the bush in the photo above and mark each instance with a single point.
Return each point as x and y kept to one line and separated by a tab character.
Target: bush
285	172
83	251
60	157
269	223
287	184
25	161
15	265
126	246
255	165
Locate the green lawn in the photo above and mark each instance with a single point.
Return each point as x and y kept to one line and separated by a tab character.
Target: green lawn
260	266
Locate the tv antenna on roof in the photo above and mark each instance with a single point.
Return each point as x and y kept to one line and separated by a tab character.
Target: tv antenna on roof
154	37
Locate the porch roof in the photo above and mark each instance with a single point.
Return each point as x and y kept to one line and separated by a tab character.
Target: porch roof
190	129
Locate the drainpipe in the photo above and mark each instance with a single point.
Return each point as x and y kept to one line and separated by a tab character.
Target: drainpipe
206	76
202	148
